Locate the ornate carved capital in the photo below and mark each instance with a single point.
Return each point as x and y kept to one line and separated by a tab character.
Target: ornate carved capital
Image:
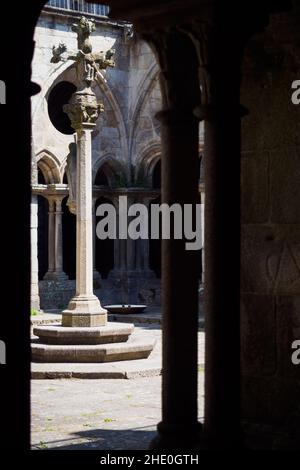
83	108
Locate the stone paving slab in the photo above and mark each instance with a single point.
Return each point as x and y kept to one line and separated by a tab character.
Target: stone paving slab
97	414
102	414
116	370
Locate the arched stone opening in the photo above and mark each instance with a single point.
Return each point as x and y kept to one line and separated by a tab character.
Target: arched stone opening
146	166
49	167
109	172
101	178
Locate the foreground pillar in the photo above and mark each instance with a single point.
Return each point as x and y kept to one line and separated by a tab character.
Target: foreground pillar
220	107
179	428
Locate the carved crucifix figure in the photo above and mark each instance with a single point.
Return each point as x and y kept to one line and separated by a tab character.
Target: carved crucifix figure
87	63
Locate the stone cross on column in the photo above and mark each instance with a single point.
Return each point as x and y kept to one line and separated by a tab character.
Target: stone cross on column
84	309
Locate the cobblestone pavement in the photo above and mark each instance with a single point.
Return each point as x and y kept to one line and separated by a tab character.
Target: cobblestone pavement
101	414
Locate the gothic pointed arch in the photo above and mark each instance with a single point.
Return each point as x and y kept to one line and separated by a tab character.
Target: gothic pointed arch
147	162
49	166
113	170
144	90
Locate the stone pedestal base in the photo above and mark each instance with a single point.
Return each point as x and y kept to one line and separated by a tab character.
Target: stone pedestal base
186	437
58	334
111	343
114	352
84	312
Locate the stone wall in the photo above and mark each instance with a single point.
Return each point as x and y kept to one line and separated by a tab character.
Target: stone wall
270	299
55	295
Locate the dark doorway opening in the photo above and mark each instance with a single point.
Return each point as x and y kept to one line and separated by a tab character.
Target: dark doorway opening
101	178
156	176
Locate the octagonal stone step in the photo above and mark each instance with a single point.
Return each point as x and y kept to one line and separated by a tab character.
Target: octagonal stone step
131	350
58	334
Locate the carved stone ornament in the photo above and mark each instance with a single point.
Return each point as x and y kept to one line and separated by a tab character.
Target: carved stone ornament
86	62
83	108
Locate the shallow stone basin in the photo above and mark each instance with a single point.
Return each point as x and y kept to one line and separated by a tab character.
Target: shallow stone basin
125	309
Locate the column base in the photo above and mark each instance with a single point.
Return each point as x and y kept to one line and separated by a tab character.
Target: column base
84	312
171	437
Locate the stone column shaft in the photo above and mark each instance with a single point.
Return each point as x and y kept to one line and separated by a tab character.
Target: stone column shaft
84	239
84	309
55	240
51	239
222	243
179	286
58	260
